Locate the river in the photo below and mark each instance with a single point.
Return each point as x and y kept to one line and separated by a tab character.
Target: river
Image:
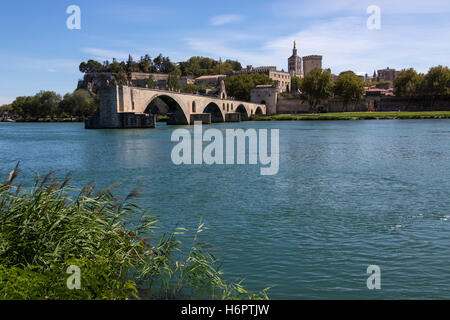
348	194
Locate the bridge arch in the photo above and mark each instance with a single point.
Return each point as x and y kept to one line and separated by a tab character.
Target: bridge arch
259	111
243	111
175	110
216	114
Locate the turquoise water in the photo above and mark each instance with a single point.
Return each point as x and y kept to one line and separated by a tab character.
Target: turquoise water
349	194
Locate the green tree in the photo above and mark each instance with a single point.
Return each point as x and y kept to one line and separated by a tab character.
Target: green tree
350	87
91	66
235	65
173	82
437	81
200	66
239	85
296	84
145	64
408	83
190	88
117	67
157	63
316	86
197	66
5	108
78	104
20	106
42	105
132	66
151	84
48	104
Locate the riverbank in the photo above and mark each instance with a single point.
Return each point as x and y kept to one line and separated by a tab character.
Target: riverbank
355	116
51	120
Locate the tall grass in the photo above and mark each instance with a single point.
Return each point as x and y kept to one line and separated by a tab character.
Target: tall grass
51	226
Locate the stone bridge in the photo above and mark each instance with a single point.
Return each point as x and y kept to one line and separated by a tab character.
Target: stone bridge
130	107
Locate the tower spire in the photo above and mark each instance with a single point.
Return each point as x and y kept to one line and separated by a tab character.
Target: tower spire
294	51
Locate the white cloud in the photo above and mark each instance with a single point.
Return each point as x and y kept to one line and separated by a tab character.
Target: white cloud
102	54
51	70
346	44
225	19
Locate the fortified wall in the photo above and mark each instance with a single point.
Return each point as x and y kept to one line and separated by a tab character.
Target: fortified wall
368	104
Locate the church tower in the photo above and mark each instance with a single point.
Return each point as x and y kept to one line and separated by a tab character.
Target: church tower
295	64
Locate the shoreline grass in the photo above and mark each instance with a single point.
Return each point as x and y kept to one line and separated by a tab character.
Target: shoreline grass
355	116
44	120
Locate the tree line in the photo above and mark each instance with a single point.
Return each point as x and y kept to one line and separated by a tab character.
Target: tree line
411	84
195	66
48	104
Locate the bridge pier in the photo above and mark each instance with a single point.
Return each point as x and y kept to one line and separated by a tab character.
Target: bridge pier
135	120
205	118
233	117
127	120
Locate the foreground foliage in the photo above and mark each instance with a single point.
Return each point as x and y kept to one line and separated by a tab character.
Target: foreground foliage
52	226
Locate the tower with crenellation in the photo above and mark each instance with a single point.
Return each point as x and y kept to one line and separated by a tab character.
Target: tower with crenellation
311	62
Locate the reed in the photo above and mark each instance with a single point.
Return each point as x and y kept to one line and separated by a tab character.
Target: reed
52	225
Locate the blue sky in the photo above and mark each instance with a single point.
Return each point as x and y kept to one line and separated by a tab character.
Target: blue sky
38	52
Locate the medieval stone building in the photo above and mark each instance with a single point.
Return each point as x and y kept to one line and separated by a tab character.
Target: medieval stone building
281	78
